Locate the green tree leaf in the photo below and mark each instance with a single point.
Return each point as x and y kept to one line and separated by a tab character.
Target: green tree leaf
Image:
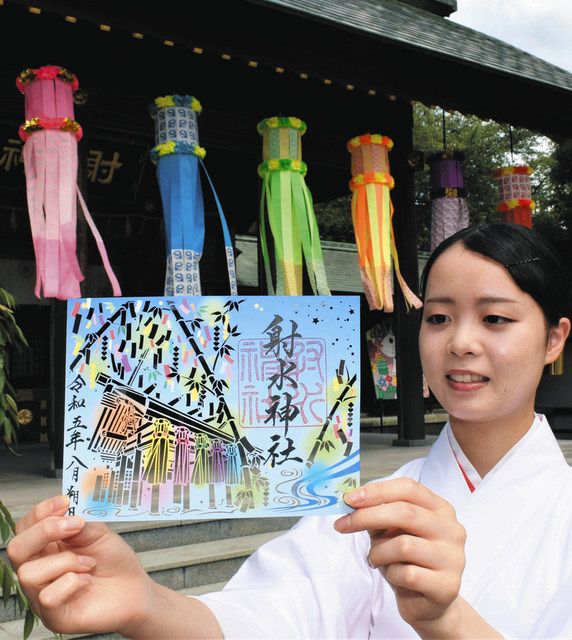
7	583
29	623
4	511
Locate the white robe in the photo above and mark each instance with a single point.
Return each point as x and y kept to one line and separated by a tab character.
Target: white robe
315	583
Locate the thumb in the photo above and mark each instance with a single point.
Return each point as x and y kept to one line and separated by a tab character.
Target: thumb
91	533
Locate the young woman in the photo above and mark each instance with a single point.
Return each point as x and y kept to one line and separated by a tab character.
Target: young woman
474	541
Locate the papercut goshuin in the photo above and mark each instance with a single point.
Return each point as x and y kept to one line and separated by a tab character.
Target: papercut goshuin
50	135
210	407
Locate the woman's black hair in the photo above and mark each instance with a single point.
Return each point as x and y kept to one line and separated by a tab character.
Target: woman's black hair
532	262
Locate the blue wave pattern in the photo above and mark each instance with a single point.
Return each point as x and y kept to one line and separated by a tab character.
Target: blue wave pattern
307	490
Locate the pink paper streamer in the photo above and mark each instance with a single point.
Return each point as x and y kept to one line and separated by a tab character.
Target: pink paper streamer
50	161
101	247
49	98
51	170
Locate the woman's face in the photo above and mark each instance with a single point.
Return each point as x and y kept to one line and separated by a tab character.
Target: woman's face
483	341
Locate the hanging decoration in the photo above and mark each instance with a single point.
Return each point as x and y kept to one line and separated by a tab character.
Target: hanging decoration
178	155
515	194
380	342
372	213
449	210
51	134
287	203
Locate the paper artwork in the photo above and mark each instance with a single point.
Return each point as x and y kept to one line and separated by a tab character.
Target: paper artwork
211	407
381	351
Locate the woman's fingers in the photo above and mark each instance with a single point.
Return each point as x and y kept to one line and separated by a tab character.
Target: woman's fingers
394	515
52	507
404	548
397	490
439	587
36	574
60	591
36	538
416	543
413	550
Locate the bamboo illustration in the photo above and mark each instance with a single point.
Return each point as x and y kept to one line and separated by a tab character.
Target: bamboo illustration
344	392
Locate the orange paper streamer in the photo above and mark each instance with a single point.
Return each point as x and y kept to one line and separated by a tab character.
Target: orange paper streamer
372	213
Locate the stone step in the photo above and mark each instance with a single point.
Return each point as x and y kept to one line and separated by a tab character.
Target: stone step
436	417
142	536
434	422
187	566
13	630
200	563
145	536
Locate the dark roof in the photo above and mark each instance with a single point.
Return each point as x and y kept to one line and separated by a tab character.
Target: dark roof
383	48
418	29
440	7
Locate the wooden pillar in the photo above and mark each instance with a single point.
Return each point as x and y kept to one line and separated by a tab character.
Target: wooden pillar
262	289
58	313
410	407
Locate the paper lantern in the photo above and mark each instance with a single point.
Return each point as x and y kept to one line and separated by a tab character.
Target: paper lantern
515	194
287	204
178	156
449	210
372	213
50	135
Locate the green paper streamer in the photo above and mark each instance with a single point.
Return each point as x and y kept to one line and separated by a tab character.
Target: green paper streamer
287	203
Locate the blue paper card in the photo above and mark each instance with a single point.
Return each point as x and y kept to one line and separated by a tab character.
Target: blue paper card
211	407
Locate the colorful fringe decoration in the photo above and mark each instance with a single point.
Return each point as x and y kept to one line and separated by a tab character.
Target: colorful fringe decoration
217	461
184	456
290	210
372	213
201	470
233	473
515	194
158	457
449	210
177	155
51	134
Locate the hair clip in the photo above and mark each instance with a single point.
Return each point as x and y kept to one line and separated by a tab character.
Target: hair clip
515	264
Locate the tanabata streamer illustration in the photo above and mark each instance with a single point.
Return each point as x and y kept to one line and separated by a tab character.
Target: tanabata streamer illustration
372	213
515	194
449	210
287	202
178	155
381	350
210	407
50	135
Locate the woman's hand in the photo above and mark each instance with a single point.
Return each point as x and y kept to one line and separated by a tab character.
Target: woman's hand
418	545
78	576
